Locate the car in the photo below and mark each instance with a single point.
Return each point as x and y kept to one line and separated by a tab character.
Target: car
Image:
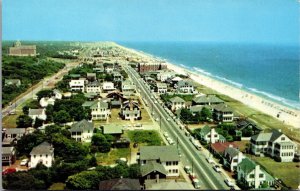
196	183
217	168
157	119
24	162
187	169
229	182
168	119
166	134
192	175
209	160
9	171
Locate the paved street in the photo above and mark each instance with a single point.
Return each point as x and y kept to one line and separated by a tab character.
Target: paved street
190	156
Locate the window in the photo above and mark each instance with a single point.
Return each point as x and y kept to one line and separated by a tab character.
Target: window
34	156
170	171
46	156
251	175
41	156
261	175
282	138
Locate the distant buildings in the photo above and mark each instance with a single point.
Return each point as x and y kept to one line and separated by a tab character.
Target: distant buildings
22	50
82	131
43	153
8	156
159	161
153	66
274	144
9	82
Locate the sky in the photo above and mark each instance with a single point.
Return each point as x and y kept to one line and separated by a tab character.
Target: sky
265	21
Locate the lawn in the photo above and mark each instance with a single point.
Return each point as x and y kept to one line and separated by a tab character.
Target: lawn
149	137
111	157
9	121
167	97
286	171
57	186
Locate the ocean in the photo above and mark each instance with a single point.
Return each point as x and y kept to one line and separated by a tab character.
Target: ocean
270	71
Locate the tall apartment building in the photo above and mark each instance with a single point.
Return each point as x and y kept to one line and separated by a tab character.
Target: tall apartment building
22	50
153	66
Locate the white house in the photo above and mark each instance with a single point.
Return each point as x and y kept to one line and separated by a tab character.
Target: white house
252	175
209	135
159	161
274	144
161	88
37	113
93	87
77	85
185	86
45	101
128	86
176	103
130	110
43	153
82	131
100	110
232	157
164	75
223	113
57	94
108	86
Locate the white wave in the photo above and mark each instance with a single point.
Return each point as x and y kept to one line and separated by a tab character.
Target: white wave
230	81
202	71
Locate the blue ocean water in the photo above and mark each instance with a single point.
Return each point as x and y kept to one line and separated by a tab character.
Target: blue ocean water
271	71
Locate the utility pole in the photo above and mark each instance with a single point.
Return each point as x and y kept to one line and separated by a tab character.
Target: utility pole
159	122
192	166
177	143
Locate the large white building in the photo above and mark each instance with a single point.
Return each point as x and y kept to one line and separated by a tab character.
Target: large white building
108	86
43	153
82	131
100	110
77	85
176	103
274	144
159	160
93	87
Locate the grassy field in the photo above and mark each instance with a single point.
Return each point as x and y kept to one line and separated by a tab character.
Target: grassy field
9	121
262	120
57	186
286	171
112	156
149	137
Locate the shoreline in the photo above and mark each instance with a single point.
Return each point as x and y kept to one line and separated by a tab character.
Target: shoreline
285	114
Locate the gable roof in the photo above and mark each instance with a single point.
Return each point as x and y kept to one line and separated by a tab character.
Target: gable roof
184	83
223	108
272	136
231	151
247	165
220	147
177	99
15	131
101	104
82	125
120	184
152	166
43	148
88	103
7	150
164	153
112	129
36	111
205	130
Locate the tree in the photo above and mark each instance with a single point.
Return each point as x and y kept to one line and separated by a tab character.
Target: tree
49	112
25	110
51	129
23	181
101	143
44	93
61	117
205	114
38	123
83	180
134	171
93	161
24	121
27	142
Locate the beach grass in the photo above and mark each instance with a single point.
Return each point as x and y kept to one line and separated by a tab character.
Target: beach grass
288	172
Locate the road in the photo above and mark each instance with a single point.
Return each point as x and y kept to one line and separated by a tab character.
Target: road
190	156
44	83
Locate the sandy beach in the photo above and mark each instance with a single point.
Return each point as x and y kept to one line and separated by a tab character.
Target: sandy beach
285	114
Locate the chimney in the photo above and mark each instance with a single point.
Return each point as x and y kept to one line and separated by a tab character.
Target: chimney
157	178
256	176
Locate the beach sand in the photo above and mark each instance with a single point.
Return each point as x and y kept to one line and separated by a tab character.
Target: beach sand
285	114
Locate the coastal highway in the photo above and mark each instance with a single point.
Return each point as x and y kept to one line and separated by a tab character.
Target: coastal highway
204	171
44	83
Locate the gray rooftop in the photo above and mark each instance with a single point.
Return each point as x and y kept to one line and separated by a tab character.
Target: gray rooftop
177	99
164	153
7	150
231	151
272	136
112	129
15	131
81	126
207	99
35	111
88	103
43	148
152	166
101	104
222	108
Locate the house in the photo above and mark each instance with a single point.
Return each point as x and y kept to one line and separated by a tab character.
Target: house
82	131
246	128
128	86
22	50
159	161
99	68
161	88
77	85
251	175
167	184
198	108
209	135
117	76
8	156
43	153
120	184
91	96
93	87
112	129
207	100
15	82
223	113
219	148
176	103
130	110
184	86
37	113
108	86
75	76
100	110
164	75
108	67
151	66
176	79
88	104
274	144
232	157
57	94
45	101
91	77
12	135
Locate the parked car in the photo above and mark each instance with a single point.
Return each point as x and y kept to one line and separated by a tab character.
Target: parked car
187	169
166	134
9	171
192	175
209	160
229	182
196	183
24	162
217	168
